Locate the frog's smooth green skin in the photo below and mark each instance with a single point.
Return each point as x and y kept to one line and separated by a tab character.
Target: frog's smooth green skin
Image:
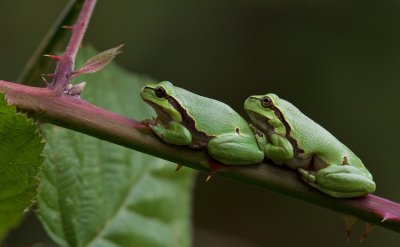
185	118
289	137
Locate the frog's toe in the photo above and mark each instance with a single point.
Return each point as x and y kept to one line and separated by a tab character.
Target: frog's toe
308	176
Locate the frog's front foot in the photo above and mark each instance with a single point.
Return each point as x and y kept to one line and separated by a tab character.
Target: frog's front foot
149	122
341	181
173	133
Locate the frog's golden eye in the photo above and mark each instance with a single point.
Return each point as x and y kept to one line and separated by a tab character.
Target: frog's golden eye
160	92
266	102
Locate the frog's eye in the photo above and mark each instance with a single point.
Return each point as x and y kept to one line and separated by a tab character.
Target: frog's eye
266	102
159	91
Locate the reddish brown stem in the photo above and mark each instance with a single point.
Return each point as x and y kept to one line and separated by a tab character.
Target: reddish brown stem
65	66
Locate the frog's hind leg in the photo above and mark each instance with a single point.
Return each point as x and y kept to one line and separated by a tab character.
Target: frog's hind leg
235	149
341	181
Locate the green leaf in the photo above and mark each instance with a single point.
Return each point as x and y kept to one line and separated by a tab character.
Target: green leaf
96	193
20	158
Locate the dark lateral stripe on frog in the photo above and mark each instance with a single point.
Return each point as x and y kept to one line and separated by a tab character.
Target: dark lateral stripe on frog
288	135
199	137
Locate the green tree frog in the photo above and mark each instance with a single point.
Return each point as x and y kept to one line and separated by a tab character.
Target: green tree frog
288	137
185	118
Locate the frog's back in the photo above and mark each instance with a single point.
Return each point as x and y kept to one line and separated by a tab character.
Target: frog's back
316	139
211	116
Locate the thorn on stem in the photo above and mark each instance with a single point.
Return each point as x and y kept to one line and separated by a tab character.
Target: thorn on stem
349	221
45	80
367	231
214	168
68	27
52	57
387	216
210	176
50	75
178	167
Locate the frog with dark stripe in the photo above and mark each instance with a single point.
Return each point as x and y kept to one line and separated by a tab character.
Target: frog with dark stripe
288	137
188	119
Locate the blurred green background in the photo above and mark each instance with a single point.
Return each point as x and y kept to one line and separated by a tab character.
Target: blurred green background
338	61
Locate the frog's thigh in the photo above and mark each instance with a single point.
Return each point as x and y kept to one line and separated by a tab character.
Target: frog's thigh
341	181
235	149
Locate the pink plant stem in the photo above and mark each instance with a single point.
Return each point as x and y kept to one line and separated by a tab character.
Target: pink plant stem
65	66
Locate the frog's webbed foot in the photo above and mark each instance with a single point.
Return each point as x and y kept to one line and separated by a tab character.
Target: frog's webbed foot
279	149
341	181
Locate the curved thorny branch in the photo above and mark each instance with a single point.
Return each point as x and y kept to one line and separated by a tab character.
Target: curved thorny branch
55	105
65	65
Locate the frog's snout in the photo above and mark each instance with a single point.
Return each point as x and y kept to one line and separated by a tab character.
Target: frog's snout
146	92
250	101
